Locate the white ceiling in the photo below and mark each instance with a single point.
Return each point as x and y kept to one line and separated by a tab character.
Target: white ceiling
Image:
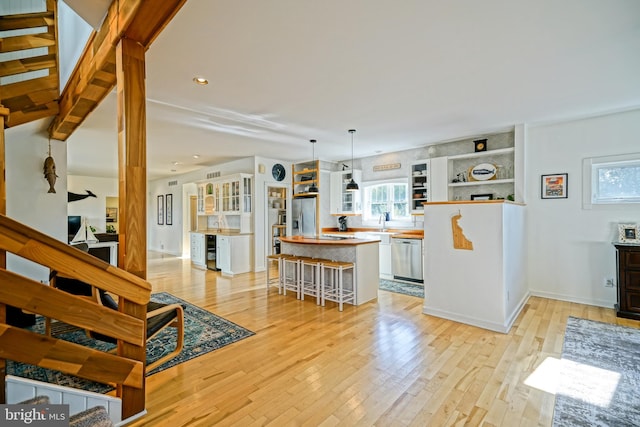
403	73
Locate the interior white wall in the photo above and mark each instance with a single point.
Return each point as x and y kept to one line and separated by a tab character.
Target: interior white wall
169	238
479	286
514	260
569	248
73	33
260	183
28	201
92	208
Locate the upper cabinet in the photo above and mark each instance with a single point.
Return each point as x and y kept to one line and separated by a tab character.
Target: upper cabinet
211	197
419	185
227	195
427	183
345	202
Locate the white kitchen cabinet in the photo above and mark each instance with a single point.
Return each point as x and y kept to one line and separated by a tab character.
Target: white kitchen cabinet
223	254
198	250
200	206
230	195
234	254
420	185
385	259
428	183
345	202
384	251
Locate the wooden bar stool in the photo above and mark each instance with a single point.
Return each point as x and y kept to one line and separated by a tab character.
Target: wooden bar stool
310	277
290	274
335	290
277	258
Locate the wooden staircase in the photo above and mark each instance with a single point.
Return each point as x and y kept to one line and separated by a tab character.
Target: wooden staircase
31	44
128	325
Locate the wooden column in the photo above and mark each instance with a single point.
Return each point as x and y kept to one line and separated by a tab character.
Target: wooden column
4	113
132	157
132	164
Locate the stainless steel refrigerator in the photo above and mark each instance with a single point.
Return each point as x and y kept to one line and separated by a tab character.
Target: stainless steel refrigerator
303	217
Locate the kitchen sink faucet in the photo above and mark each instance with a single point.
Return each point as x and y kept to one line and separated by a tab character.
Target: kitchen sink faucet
384	217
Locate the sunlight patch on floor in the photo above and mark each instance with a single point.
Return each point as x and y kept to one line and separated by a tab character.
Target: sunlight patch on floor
579	381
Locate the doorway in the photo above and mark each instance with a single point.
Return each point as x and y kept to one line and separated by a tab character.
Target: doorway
277	201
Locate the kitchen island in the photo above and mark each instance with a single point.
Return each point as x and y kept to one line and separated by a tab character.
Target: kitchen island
362	252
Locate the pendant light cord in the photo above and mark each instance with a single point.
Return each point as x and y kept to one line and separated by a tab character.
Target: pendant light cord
352	131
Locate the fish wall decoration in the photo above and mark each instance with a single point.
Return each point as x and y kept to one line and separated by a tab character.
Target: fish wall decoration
49	170
74	197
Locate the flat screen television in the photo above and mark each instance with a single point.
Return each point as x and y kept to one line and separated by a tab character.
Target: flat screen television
73	224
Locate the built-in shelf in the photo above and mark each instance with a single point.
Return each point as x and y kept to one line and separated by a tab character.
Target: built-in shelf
490	181
475	155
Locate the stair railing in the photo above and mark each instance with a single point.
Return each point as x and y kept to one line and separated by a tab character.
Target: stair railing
125	369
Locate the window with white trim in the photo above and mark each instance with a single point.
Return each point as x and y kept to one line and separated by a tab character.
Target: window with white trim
611	180
389	196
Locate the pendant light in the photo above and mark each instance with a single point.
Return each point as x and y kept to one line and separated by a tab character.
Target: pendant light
352	185
313	189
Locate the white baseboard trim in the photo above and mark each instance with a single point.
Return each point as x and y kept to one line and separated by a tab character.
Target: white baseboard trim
571	298
511	319
480	323
461	318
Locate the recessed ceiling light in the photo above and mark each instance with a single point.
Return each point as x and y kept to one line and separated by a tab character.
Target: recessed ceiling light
176	163
196	156
200	81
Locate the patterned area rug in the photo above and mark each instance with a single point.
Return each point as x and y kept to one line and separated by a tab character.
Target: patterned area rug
412	289
600	375
204	332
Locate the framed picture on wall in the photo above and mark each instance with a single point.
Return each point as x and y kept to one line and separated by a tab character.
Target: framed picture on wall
554	186
169	209
628	233
160	209
112	214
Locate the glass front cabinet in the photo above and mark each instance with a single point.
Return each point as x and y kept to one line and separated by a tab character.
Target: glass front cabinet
345	202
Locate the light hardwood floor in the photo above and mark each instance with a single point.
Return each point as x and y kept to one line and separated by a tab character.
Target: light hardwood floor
383	363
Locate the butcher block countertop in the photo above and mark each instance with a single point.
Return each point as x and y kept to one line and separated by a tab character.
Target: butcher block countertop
326	241
394	232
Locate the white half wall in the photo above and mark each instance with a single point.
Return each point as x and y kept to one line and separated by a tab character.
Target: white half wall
569	248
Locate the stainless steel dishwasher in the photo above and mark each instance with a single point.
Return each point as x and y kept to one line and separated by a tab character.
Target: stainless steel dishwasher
406	257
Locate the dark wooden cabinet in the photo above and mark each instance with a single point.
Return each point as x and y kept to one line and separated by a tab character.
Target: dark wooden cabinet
628	262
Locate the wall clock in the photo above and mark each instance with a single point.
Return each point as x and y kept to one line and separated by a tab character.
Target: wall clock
480	145
278	172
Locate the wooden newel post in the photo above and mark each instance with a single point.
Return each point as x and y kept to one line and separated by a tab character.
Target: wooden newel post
132	165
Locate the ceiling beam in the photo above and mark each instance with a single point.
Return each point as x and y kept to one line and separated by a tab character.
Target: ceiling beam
95	73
